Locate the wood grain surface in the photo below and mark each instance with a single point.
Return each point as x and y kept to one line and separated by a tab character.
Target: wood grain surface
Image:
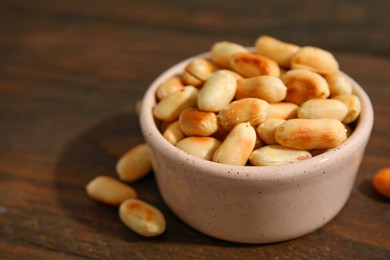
71	73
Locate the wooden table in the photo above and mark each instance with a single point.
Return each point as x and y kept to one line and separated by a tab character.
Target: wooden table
71	73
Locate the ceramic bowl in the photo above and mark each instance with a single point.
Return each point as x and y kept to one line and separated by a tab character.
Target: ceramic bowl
251	204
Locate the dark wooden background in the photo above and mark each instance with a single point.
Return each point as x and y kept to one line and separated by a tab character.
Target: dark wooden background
71	73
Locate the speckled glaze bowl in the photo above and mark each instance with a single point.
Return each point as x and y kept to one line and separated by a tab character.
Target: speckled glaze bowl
251	204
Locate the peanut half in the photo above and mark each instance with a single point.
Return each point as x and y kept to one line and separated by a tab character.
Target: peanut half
252	110
170	107
323	108
314	59
221	52
173	133
266	130
134	164
303	85
268	88
251	65
169	86
283	110
141	217
338	84
197	72
217	92
202	147
311	133
199	123
237	146
276	155
109	190
279	51
354	107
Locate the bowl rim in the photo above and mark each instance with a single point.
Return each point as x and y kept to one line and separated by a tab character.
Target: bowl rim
295	170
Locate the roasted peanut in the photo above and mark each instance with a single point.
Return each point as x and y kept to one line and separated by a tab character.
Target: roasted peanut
173	133
268	88
323	108
303	85
251	65
202	147
170	107
277	154
199	123
311	133
169	86
217	92
141	217
338	84
197	72
314	59
354	107
221	51
381	182
283	110
109	190
233	73
266	130
237	146
279	51
134	164
252	110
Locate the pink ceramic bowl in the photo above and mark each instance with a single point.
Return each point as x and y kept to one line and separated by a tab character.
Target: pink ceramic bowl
254	204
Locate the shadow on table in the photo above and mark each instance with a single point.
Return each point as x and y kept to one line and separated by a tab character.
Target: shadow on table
95	152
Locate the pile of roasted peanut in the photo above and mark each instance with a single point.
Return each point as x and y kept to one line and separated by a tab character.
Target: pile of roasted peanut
278	104
282	103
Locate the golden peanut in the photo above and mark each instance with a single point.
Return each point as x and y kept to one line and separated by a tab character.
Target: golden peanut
191	80
311	133
323	108
266	130
199	123
354	107
283	110
268	88
109	190
134	164
251	65
277	154
233	73
200	68
338	84
202	147
221	51
279	51
173	133
170	107
314	59
141	217
237	146
303	85
381	182
169	86
217	92
197	72
252	110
